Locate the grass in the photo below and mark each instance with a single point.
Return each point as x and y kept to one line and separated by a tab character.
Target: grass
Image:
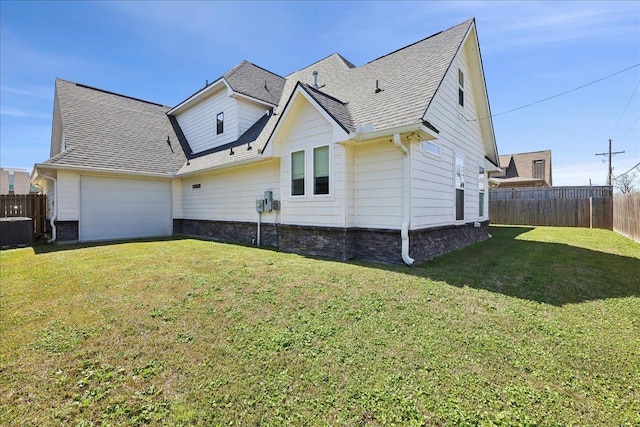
537	326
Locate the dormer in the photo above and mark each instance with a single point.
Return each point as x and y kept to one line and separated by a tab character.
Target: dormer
222	111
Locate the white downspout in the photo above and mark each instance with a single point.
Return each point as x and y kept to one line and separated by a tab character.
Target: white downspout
406	197
55	208
258	236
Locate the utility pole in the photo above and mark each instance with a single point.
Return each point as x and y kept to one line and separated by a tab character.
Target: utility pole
610	154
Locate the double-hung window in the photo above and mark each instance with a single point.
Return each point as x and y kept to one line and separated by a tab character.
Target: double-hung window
321	170
481	190
297	173
220	123
459	184
460	88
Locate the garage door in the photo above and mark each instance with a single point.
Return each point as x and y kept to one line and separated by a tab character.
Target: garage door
115	208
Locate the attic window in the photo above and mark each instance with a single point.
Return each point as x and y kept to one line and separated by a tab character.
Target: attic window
538	169
460	87
220	123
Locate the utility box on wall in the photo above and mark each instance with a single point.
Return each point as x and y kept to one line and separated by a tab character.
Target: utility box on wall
16	232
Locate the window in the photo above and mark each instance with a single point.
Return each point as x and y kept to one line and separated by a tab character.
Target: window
220	123
297	173
481	187
430	147
538	169
460	87
459	184
321	170
196	186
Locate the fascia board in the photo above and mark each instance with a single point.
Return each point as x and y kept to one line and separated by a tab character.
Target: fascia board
200	95
47	166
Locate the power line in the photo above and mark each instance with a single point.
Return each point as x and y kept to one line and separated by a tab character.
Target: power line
625	107
622	174
631	127
557	95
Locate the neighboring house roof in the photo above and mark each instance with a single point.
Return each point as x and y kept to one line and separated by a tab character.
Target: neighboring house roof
517	169
104	130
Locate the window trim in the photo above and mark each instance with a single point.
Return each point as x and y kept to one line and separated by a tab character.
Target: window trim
304	174
313	171
220	123
533	168
460	87
482	191
430	153
456	188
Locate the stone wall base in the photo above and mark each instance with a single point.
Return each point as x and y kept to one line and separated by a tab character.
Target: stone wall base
340	243
67	231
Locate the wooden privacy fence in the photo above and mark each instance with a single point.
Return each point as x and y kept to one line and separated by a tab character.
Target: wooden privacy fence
553	206
578	192
33	206
626	215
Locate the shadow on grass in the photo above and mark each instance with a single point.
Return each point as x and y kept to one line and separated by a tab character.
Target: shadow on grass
42	247
550	273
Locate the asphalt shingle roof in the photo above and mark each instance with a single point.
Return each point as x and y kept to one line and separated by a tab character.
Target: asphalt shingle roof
249	79
408	77
110	131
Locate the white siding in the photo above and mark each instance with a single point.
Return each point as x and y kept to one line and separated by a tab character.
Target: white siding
198	123
433	193
176	198
47	188
309	130
378	186
68	187
230	195
249	113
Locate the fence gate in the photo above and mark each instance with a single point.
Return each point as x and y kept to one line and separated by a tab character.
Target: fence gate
33	206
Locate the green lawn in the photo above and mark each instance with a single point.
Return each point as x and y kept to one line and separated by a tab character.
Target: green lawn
537	326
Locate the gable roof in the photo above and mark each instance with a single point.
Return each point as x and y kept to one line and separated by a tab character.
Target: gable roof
105	130
407	78
250	80
245	79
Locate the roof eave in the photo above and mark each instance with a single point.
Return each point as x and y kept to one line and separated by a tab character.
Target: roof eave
196	97
361	134
53	166
248	161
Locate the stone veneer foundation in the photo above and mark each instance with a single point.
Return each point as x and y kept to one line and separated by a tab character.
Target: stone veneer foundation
66	231
339	243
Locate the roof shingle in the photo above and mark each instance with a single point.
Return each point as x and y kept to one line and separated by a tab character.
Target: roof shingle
110	131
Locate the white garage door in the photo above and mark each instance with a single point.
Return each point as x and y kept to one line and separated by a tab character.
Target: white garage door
115	208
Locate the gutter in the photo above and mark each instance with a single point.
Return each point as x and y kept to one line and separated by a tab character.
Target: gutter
367	133
54	166
406	197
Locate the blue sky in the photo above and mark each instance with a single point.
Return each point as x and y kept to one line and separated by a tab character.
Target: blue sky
165	51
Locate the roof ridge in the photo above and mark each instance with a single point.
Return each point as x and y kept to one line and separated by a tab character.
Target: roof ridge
244	61
314	63
114	93
422	40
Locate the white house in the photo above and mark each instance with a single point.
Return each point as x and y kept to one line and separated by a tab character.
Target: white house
387	161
